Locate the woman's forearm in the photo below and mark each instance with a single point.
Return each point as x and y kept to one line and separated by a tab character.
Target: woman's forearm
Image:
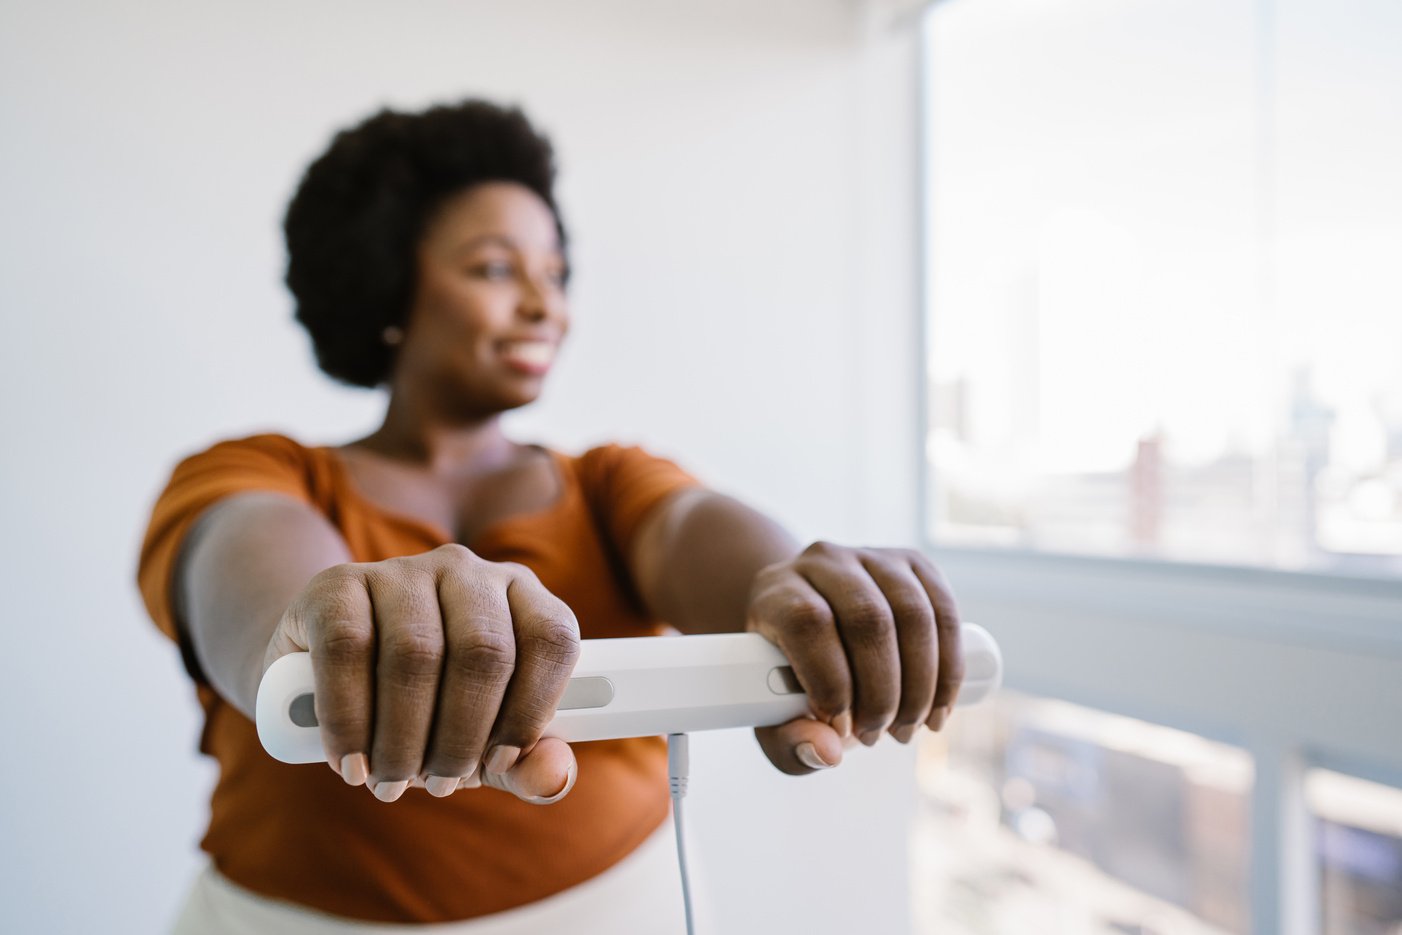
245	562
712	556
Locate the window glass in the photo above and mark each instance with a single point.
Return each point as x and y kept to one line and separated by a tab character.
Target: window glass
1165	311
1041	816
1358	835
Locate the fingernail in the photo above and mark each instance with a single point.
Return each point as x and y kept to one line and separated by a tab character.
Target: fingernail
502	758
389	791
548	800
938	718
808	755
843	724
354	768
904	732
871	737
439	786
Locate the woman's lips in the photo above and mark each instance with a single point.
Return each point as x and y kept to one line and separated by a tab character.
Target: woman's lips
533	357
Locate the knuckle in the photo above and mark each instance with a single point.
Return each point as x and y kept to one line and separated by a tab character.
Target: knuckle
342	642
332	593
396	566
335	599
330	578
911	606
454	555
415	650
802	612
928	566
553	640
865	615
919	559
516	570
454	550
831	556
485	654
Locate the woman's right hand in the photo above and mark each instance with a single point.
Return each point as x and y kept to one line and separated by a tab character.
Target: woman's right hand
437	670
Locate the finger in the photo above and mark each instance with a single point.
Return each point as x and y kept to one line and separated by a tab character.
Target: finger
542	776
547	648
868	631
336	616
951	654
792	614
409	644
801	746
915	636
480	654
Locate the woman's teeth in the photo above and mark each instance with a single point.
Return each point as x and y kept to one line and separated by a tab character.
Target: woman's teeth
539	353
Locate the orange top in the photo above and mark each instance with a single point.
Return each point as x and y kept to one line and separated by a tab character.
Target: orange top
300	833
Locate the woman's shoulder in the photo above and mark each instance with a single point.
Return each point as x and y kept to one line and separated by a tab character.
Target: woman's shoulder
269	449
615	450
618	464
261	442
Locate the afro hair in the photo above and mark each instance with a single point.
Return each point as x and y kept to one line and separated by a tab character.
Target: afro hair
355	222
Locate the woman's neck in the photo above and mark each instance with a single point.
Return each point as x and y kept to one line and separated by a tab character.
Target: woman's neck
442	446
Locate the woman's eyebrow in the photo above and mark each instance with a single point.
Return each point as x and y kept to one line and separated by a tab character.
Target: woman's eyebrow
482	240
497	240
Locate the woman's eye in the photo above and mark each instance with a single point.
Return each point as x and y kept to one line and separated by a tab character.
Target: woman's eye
493	270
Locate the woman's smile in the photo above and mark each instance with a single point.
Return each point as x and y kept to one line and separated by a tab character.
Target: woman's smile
533	357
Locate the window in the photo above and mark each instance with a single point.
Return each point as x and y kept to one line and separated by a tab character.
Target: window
1165	312
1163	438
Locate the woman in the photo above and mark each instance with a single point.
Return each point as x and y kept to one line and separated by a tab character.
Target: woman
441	576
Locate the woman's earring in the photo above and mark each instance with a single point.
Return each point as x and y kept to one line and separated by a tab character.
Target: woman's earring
392	335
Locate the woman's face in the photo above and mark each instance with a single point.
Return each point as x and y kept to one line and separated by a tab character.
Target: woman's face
489	308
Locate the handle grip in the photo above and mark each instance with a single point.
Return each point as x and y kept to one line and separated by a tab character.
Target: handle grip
630	687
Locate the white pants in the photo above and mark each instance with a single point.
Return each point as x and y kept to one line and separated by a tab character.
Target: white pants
641	895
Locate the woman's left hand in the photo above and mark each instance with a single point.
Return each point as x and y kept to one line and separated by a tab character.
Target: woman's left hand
873	636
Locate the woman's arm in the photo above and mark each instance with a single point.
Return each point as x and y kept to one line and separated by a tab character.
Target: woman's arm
696	556
873	634
438	669
242	564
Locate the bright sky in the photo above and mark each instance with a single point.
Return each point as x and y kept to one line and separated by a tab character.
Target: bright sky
1105	176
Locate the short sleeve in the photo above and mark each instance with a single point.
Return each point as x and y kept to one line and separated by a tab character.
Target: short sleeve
261	462
625	483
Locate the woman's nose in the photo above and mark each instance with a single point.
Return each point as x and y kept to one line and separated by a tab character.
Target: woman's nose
533	305
539	301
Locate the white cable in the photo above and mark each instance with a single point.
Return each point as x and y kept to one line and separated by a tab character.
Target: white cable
677	768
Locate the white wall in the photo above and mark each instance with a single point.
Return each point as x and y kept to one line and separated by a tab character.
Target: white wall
739	181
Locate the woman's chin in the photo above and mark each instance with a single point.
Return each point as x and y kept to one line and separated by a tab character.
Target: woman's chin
516	397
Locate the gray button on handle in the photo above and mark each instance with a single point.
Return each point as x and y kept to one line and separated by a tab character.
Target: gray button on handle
302	710
590	691
782	681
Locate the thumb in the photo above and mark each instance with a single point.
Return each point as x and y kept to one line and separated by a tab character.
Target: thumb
801	746
543	775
